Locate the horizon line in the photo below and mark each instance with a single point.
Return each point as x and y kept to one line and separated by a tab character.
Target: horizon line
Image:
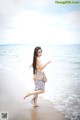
5	44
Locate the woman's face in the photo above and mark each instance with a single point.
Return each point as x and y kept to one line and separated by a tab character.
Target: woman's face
39	52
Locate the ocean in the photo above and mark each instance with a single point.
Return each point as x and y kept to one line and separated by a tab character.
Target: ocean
63	86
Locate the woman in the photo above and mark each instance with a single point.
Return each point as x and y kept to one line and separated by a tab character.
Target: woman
38	75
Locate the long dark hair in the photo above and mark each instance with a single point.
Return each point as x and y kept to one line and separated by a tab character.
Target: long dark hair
35	54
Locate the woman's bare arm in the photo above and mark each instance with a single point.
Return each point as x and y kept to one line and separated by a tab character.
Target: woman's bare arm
40	66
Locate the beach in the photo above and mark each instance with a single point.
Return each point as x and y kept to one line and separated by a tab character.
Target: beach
19	109
62	90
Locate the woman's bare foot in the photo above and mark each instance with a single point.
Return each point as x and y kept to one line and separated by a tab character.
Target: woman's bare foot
26	96
36	106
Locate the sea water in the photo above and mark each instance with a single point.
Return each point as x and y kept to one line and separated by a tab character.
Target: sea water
63	86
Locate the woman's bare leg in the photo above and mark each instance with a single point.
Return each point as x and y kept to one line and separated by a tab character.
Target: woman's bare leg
35	101
35	92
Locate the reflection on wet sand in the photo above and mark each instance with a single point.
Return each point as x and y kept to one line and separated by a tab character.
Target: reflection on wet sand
34	113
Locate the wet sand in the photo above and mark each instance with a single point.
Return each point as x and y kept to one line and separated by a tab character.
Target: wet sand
25	111
11	101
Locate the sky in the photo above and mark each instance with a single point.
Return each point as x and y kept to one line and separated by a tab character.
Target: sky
39	22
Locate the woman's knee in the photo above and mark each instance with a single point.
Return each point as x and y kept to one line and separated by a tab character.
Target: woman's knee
43	91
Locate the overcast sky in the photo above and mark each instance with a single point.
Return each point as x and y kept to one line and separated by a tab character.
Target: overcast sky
39	21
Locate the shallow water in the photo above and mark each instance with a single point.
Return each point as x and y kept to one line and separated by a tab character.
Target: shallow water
63	86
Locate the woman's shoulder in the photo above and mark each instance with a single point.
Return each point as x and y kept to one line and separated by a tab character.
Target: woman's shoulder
38	59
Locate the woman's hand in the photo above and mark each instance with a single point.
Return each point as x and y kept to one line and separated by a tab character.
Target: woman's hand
49	62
